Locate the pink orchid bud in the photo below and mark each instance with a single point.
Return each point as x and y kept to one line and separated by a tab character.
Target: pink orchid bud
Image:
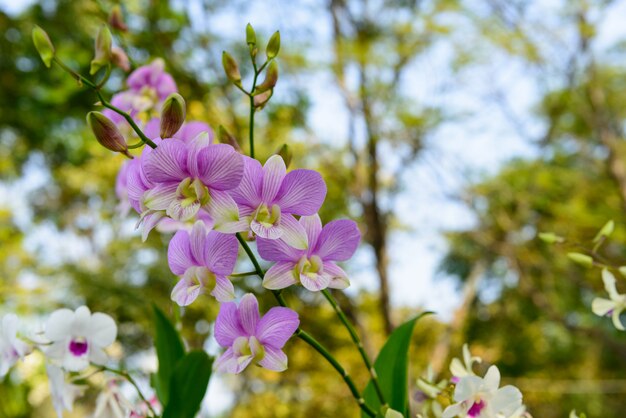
260	100
226	137
116	19
231	68
106	133
44	45
271	78
173	115
273	46
119	58
104	42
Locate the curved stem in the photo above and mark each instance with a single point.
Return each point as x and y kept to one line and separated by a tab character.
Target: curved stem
357	341
307	338
124	374
244	274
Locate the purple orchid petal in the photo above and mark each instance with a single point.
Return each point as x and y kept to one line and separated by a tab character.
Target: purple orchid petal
186	291
302	192
191	129
338	240
275	359
148	223
197	239
167	163
277	326
265	231
227	325
160	196
293	232
123	102
338	279
225	213
153	129
224	291
230	363
313	227
248	193
136	183
248	312
220	167
195	163
278	250
315	283
274	172
280	276
179	255
165	86
177	211
220	253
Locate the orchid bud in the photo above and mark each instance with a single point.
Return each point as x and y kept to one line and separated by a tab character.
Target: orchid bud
261	99
225	137
271	78
581	259
550	238
44	46
231	68
173	115
116	19
119	58
250	35
605	232
104	42
285	153
106	133
273	46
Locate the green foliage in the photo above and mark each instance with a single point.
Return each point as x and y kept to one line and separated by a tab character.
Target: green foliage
169	350
188	384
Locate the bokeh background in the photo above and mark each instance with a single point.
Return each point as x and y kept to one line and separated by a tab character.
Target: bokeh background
452	130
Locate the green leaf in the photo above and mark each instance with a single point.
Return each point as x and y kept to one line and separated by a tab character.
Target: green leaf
188	385
392	368
169	350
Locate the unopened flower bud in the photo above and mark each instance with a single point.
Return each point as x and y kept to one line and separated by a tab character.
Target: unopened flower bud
104	42
581	259
106	133
605	232
173	115
116	19
119	58
231	68
250	35
261	99
285	153
273	46
271	78
550	238
225	137
44	46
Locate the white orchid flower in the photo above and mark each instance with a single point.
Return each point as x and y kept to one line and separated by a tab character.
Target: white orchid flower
613	306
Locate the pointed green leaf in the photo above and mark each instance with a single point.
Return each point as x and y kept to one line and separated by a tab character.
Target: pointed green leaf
188	385
169	350
392	368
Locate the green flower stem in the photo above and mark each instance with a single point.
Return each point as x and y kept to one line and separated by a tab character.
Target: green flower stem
357	341
307	338
244	274
252	112
105	103
124	374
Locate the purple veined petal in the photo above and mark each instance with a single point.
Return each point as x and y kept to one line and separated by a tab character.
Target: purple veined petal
224	291
264	231
191	129
313	226
152	129
248	313
160	196
227	362
220	253
167	163
293	232
195	164
220	167
278	250
177	211
146	75
316	283
302	192
197	239
148	222
224	212
121	181
280	276
274	172
275	359
338	279
102	330
136	183
186	291
338	240
277	326
179	255
227	325
248	193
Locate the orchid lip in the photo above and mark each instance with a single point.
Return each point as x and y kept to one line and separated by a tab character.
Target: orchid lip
78	347
476	408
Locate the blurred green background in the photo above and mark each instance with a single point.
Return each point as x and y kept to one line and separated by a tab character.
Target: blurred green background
453	131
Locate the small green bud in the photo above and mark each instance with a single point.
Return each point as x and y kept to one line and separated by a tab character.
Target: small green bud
550	237
605	232
44	46
260	100
285	152
250	35
271	78
173	115
106	133
273	46
231	68
116	19
581	259
104	42
225	137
